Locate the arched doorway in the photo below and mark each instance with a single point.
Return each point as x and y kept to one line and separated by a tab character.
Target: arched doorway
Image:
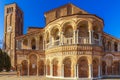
67	67
95	67
48	67
55	67
33	64
115	68
103	68
83	69
41	67
24	69
109	61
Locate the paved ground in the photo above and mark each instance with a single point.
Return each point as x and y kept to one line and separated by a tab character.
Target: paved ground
14	77
21	78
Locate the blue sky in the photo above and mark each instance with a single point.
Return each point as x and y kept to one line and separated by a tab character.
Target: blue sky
108	10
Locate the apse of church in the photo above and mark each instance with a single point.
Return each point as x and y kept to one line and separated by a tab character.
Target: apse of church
71	45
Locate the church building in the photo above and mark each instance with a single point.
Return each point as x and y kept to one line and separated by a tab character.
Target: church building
71	45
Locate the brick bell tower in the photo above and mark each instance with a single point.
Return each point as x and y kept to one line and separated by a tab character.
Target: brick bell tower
13	27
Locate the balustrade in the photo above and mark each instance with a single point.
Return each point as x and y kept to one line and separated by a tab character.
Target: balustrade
75	39
56	42
69	41
96	41
83	40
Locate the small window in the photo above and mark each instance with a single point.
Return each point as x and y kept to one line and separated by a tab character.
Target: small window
115	46
10	10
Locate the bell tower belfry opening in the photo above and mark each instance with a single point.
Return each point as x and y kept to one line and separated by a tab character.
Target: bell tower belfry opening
13	27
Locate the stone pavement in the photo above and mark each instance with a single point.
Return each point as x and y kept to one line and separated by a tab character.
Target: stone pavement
14	77
21	78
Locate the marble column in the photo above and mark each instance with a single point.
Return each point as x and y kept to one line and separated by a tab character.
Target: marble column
77	73
77	37
99	71
90	71
74	36
75	70
100	40
91	41
51	70
106	70
62	73
61	38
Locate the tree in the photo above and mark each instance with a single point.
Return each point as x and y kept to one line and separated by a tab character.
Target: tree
5	62
1	61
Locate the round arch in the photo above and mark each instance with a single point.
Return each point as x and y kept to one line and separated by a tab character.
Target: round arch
55	33
24	68
33	64
67	30
109	61
83	68
83	27
70	22
47	35
48	67
33	43
103	67
25	44
55	67
95	67
41	67
67	67
115	68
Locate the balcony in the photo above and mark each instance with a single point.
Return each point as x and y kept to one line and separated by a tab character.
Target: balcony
83	40
72	41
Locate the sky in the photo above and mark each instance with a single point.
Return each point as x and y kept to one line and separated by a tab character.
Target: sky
108	10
